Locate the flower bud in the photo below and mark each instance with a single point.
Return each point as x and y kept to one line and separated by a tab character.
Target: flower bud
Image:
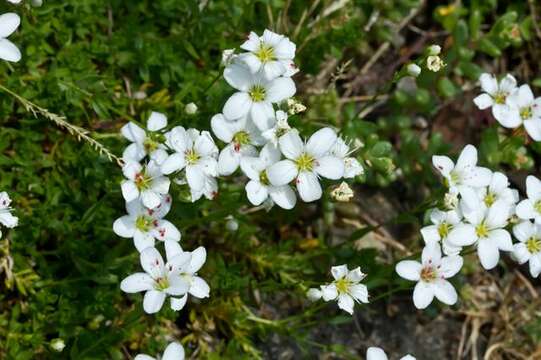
58	344
413	70
434	50
190	108
314	294
232	224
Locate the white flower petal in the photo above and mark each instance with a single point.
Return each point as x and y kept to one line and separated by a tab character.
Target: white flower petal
174	351
153	301
238	76
488	252
280	89
222	128
450	266
533	188
308	186
136	283
339	272
502	239
409	270
489	83
199	288
345	302
9	22
321	142
533	128
524	231
445	292
359	292
156	121
291	145
375	353
129	190
199	256
521	253
444	164
174	162
329	292
133	133
483	101
237	106
256	192
228	160
178	304
282	173
283	196
152	262
150	199
423	294
329	167
525	210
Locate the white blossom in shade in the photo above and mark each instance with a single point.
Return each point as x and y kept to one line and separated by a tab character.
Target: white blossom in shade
485	227
209	189
496	95
198	287
174	351
159	279
6	217
528	249
280	128
195	152
146	182
352	167
241	137
498	189
148	142
376	353
259	188
228	55
255	95
524	109
270	54
530	208
431	275
465	175
443	223
346	288
9	22
145	225
306	162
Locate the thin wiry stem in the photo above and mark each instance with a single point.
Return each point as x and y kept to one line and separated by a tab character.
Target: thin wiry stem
80	133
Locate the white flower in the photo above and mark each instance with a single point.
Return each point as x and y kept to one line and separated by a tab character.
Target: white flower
496	96
241	137
413	70
159	279
197	286
431	274
346	287
306	162
190	108
342	192
255	95
145	182
486	229
524	109
498	189
145	143
352	167
280	128
376	353
196	153
174	351
529	247
465	175
6	218
530	208
144	225
58	344
443	223
259	188
434	63
9	22
434	50
270	54
209	189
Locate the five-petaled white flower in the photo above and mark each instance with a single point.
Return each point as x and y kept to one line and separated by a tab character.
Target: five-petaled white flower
259	188
352	167
197	286
346	288
376	353
271	54
255	95
9	22
530	208
144	225
431	274
146	143
496	95
498	189
195	152
485	227
528	249
147	182
6	218
465	175
525	109
241	137
159	279
174	351
443	223
305	162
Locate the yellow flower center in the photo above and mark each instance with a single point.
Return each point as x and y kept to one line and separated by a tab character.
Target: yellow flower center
443	229
265	53
161	284
489	199
257	93
241	138
144	223
537	206
533	245
526	113
482	230
263	178
342	285
499	97
305	162
191	157
142	181
428	274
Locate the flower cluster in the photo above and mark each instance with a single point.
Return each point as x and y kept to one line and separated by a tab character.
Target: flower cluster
479	210
346	288
512	105
6	217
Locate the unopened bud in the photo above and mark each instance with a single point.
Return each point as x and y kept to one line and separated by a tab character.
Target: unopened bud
58	344
314	294
413	70
190	108
434	50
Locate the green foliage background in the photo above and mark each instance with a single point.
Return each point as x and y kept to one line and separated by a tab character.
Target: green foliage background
83	58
